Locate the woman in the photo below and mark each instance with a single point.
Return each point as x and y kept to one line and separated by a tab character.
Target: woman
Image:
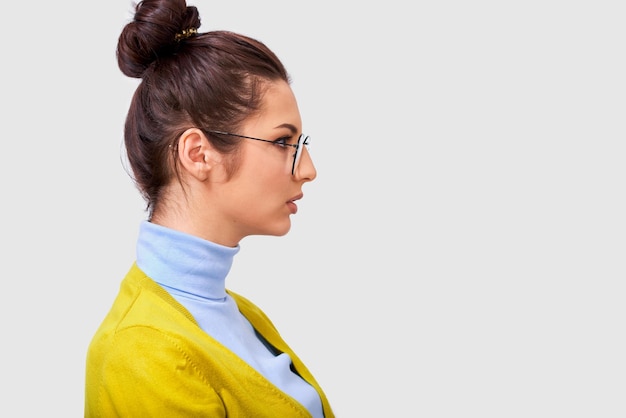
214	139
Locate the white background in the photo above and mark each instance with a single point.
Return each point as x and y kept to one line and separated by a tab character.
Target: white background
461	252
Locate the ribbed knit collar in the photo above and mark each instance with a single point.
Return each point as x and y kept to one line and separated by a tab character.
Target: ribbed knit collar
184	263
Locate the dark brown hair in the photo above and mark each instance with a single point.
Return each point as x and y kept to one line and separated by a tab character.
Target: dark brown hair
212	81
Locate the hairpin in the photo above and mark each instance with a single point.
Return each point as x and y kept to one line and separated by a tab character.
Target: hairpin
186	33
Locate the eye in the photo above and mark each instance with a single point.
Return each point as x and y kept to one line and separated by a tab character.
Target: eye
283	142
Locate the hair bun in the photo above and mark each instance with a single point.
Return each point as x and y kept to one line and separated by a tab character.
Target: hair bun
157	28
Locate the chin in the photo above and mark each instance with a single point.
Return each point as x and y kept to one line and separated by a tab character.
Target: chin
280	230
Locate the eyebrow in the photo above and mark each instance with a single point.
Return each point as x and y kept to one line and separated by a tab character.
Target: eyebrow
288	126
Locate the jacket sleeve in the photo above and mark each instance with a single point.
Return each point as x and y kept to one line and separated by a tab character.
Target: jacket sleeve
147	373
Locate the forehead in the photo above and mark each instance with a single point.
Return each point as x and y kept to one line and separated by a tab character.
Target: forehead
279	107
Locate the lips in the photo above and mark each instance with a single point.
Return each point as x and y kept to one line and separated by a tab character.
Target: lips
293	208
298	197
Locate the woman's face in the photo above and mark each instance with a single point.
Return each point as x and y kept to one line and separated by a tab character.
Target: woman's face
260	197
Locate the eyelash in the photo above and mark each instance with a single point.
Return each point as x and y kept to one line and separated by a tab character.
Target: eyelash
282	142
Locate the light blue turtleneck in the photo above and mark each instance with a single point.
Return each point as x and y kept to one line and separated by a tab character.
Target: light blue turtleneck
194	272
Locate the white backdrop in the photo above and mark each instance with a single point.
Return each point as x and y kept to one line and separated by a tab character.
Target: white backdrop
461	252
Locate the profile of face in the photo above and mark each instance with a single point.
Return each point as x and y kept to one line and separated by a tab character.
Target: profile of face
260	197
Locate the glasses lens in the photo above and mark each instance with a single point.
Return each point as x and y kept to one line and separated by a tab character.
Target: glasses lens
303	141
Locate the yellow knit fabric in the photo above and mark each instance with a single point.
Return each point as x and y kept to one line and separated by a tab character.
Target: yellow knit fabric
149	358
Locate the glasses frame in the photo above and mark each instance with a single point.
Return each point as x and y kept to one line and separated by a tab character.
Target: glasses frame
303	141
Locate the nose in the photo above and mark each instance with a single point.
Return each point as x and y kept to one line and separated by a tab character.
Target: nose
306	169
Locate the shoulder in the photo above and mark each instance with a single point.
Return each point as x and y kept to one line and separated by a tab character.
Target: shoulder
145	371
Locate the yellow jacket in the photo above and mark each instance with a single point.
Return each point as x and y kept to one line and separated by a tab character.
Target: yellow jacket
149	358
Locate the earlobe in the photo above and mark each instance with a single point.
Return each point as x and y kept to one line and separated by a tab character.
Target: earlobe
196	155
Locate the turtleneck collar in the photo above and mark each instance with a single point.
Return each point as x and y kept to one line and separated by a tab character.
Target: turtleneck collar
184	263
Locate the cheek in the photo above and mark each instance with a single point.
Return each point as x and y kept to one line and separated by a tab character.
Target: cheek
257	182
268	182
262	173
271	169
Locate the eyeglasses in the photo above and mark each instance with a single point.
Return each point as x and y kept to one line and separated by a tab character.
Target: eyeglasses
303	141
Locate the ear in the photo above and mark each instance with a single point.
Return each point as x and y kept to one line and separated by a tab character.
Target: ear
196	155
